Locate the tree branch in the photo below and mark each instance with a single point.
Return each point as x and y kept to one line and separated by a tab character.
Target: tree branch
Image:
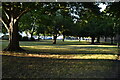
23	12
4	24
7	15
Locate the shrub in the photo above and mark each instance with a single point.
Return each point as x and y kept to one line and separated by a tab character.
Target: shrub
5	37
20	37
32	39
25	38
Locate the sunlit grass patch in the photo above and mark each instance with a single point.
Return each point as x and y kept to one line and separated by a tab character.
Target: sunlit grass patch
73	48
67	49
67	56
104	46
69	59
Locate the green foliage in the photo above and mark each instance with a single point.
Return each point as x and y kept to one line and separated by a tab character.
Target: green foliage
109	29
44	15
25	22
5	37
81	30
113	9
4	31
25	38
93	26
57	18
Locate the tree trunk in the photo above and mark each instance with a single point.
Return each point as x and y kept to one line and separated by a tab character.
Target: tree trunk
13	38
111	40
63	38
105	39
118	45
54	39
26	33
98	39
118	40
31	37
10	21
92	41
79	39
38	37
32	31
44	36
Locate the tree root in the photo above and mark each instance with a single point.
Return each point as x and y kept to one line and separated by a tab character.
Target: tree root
15	49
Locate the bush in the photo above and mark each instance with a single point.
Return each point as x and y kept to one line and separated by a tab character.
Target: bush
20	37
32	39
25	38
5	37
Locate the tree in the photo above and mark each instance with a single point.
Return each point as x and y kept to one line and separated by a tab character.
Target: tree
55	27
27	23
80	29
92	28
82	13
61	25
109	27
64	9
54	12
66	26
114	10
43	22
11	13
89	26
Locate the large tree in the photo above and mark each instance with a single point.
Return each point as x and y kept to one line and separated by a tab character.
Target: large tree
114	10
11	13
87	23
109	27
43	24
27	22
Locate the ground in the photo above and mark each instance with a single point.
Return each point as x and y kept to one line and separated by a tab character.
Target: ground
69	59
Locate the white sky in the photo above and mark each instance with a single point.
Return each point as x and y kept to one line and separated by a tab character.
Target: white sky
102	6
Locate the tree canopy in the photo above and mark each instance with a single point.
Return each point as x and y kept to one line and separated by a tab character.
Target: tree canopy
81	19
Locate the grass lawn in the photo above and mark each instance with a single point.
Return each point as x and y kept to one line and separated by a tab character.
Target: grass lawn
69	59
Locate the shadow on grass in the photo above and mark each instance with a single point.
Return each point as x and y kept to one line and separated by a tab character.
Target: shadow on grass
59	42
46	43
35	51
29	67
92	47
82	52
